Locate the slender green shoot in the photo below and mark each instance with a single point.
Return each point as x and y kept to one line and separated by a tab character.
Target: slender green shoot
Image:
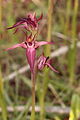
72	51
2	101
47	52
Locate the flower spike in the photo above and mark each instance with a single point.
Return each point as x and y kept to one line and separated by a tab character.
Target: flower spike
30	44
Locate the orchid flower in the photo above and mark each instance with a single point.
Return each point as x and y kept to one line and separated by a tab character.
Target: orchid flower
29	23
45	61
30	46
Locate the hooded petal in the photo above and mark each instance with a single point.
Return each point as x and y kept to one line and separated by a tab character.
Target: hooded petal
53	69
15	46
31	53
38	44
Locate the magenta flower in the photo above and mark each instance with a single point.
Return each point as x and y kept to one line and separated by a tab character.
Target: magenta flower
29	23
30	49
45	61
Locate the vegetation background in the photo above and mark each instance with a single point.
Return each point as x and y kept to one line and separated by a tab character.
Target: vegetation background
58	95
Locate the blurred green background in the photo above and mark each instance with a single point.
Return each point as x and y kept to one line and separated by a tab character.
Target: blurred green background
63	90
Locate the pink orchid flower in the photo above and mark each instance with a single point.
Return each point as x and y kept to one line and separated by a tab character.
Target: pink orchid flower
30	46
28	23
45	61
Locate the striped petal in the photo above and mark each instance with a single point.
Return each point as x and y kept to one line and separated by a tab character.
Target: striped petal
38	44
15	46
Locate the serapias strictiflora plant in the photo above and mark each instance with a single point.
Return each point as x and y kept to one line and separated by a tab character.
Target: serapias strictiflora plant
31	24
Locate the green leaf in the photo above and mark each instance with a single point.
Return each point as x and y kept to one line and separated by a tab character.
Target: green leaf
2	101
75	107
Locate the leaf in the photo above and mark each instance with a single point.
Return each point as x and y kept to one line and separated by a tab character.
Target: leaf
2	101
75	107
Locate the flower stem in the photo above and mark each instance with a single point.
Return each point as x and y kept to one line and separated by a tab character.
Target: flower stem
33	96
33	78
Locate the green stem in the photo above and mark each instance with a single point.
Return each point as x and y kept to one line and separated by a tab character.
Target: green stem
49	29
1	25
44	90
47	52
72	53
68	13
0	12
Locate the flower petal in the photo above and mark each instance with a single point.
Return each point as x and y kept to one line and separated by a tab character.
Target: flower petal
15	46
53	69
41	16
15	25
41	62
38	44
31	53
17	29
29	21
